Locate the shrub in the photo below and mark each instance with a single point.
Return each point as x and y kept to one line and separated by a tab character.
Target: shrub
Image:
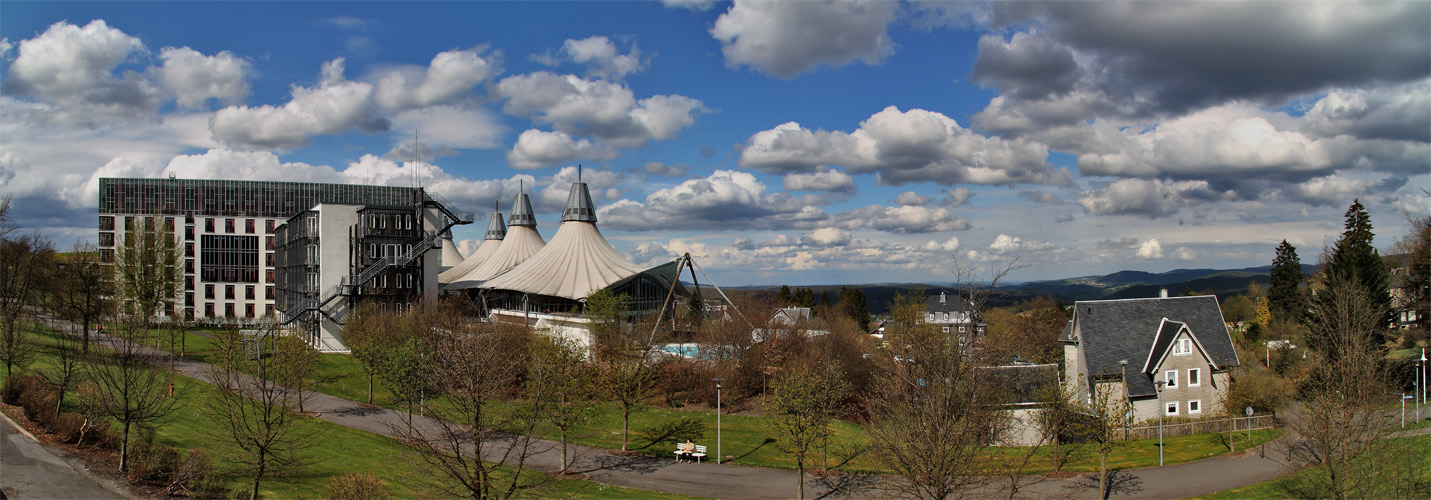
69	427
357	486
193	476
40	404
13	388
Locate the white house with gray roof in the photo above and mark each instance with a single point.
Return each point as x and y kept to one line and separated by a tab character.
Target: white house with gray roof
1126	346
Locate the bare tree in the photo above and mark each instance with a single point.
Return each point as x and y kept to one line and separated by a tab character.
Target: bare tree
467	440
66	369
366	333
623	355
130	387
83	287
805	401
565	383
255	408
1339	422
931	416
146	267
25	268
1110	413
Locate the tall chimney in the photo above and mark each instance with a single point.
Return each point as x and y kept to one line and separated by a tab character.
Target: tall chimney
1163	293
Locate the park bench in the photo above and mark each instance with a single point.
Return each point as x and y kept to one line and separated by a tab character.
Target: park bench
698	454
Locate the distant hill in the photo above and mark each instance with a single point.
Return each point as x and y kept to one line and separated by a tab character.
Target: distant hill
1225	283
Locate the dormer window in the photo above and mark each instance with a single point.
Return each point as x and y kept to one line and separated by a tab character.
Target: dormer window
1182	347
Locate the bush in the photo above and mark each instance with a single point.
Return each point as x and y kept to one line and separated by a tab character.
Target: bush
193	476
13	388
40	404
357	486
69	427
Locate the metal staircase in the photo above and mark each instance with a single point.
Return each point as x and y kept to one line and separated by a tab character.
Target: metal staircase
350	284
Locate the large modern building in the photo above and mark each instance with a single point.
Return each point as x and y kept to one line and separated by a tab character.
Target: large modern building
225	231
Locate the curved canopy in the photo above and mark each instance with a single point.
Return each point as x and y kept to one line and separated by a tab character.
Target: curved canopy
521	243
450	256
496	230
577	262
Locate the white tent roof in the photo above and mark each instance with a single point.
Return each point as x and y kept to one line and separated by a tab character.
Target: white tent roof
521	243
450	255
577	262
496	230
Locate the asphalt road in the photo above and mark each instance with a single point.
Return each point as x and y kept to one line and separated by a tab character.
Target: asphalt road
30	470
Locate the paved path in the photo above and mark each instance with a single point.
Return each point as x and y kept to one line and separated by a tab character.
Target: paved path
30	470
740	482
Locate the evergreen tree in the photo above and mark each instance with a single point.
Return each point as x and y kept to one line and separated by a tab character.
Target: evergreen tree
1355	260
783	298
1285	299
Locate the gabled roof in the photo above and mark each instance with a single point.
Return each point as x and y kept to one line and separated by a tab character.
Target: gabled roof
945	302
1132	329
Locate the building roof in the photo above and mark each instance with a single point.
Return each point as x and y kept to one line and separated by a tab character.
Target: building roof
450	255
518	242
1137	330
577	261
496	230
946	303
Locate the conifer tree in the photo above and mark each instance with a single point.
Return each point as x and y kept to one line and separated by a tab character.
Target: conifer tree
1284	298
1354	259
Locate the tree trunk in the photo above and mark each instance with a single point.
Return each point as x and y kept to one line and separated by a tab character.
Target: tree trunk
800	478
625	426
86	335
563	452
124	450
370	387
253	495
1103	475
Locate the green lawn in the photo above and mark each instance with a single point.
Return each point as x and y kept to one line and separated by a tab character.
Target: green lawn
337	451
1283	487
743	437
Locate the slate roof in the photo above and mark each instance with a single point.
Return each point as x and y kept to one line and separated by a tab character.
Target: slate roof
945	302
1114	330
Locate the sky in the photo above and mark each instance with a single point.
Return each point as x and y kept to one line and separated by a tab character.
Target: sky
801	143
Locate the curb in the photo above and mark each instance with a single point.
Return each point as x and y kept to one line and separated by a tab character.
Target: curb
19	427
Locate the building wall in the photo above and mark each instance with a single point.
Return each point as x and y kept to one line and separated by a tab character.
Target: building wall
1208	391
199	208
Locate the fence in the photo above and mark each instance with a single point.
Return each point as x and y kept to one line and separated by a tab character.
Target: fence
1242	424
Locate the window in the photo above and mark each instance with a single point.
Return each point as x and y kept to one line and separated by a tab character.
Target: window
1172	378
106	223
209	293
188	282
106	239
229	293
1182	347
946	329
248	226
1194	379
268	226
248	310
188	232
229	228
249	293
269	293
373	251
931	317
961	329
1194	406
229	310
209	228
209	309
1172	408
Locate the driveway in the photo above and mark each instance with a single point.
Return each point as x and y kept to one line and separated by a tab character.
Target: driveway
30	470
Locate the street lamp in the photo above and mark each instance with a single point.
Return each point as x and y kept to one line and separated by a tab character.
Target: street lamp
1420	383
1161	410
718	451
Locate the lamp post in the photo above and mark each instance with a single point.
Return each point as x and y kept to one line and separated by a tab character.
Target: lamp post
1420	383
1161	410
718	451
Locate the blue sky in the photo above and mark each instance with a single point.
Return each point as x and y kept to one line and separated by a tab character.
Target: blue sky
794	142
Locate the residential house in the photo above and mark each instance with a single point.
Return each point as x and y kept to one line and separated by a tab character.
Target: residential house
1122	348
953	314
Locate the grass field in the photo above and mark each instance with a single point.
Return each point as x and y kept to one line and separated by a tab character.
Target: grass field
337	451
1285	487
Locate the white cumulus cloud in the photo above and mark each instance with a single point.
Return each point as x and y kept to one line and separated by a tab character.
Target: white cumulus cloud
786	39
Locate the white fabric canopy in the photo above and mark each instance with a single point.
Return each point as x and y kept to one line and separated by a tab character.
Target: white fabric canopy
488	248
450	256
577	262
521	243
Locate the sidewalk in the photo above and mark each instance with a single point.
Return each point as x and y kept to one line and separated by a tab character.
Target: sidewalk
740	482
33	471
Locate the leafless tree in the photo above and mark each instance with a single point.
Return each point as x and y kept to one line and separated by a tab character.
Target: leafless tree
1339	423
804	401
255	409
565	384
146	268
1110	412
66	369
130	388
83	287
366	331
931	416
467	439
26	265
623	355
